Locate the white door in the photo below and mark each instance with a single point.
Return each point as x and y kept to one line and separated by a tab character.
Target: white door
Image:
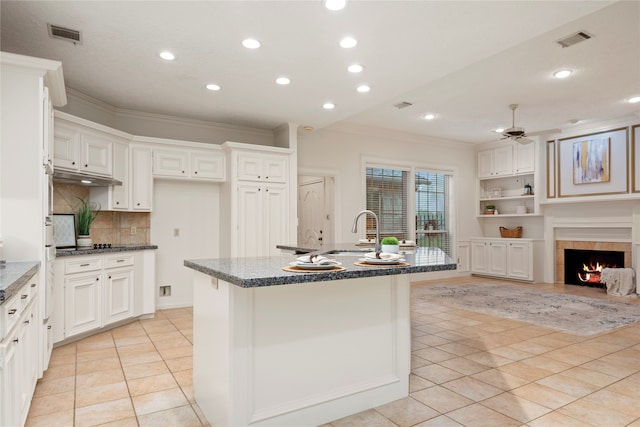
312	213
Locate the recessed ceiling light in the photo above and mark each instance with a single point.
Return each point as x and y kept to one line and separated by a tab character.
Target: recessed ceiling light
498	130
634	99
348	42
562	74
335	4
283	80
429	116
328	105
363	88
251	43
212	86
355	68
85	181
167	55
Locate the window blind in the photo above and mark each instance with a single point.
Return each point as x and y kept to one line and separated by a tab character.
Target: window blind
387	197
433	214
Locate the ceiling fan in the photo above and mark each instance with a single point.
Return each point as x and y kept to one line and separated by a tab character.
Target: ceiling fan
518	134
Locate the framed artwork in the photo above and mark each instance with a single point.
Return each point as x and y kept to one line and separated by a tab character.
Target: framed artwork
591	161
64	230
592	165
551	169
635	158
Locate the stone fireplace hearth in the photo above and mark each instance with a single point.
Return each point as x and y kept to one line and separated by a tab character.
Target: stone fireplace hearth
561	245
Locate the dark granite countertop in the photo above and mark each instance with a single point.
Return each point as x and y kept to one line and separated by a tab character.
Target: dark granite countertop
14	275
91	251
267	271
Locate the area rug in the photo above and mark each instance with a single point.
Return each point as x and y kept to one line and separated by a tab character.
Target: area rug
575	314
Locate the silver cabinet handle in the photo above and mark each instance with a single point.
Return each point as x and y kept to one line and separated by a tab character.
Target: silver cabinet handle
24	296
13	311
84	265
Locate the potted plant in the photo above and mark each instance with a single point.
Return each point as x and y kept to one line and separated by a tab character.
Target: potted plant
390	245
85	215
489	209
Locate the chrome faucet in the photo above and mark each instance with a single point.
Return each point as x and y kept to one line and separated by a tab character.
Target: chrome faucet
354	229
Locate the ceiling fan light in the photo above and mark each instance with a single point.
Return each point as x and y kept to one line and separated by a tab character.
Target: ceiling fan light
498	130
562	74
633	99
429	116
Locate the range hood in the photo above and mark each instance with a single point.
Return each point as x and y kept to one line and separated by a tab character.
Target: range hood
68	177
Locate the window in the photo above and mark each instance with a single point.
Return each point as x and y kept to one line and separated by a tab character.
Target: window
425	217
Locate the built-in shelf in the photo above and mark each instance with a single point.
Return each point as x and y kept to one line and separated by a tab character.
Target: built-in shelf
506	215
527	196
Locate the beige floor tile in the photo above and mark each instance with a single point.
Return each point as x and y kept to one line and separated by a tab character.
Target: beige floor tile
172	343
189	393
184	416
568	385
101	393
176	352
457	348
97	344
152	383
64	349
63	418
55	386
472	388
128	350
566	356
499	379
140	358
183	323
616	402
480	416
145	370
59	359
365	418
441	421
51	404
511	353
489	359
100	354
407	412
105	412
590	376
516	407
165	335
431	340
464	365
437	374
524	371
556	419
200	414
158	401
98	365
418	362
441	399
619	370
130	330
60	371
543	395
93	379
136	339
127	422
547	364
628	386
597	415
184	378
418	383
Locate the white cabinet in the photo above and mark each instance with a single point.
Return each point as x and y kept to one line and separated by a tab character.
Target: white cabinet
115	197
19	350
141	179
505	258
258	199
495	162
94	291
525	156
189	163
80	148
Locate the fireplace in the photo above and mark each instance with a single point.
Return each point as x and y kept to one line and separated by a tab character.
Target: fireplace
583	267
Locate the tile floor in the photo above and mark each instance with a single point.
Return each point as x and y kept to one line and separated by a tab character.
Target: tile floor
468	369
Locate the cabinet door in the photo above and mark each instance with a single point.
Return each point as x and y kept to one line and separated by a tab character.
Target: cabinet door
141	179
120	193
118	295
275	169
498	257
249	167
503	161
28	354
479	261
66	148
485	164
170	163
275	208
96	154
9	379
251	221
519	261
525	158
83	304
206	165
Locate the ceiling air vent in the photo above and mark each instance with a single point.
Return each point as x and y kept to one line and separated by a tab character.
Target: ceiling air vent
403	104
62	33
576	38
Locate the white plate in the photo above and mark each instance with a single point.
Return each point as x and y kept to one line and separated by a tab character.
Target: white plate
312	266
381	261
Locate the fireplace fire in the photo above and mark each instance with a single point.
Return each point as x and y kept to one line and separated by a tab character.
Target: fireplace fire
583	267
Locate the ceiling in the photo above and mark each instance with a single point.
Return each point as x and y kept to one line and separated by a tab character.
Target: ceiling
464	61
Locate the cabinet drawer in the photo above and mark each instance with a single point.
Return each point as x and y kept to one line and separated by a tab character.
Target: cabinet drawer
80	266
10	312
112	261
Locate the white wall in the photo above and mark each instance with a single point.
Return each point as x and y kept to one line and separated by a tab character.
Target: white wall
194	209
343	151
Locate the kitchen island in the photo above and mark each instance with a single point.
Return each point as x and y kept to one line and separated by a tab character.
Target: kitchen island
279	348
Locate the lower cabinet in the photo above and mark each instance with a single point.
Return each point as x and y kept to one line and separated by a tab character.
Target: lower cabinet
100	290
505	258
19	349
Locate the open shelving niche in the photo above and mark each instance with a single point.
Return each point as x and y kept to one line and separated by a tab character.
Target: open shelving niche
509	196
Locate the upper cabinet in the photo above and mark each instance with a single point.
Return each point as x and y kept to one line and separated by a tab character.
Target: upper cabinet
82	149
264	168
495	162
188	162
525	158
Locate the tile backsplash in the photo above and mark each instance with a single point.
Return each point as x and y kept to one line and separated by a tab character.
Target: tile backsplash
109	226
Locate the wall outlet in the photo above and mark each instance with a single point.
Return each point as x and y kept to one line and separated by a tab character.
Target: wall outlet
165	291
133	231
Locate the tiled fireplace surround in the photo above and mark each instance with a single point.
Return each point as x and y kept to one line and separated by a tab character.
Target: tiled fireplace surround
602	225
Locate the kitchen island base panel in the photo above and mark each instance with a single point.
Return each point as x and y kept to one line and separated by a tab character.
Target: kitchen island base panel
300	354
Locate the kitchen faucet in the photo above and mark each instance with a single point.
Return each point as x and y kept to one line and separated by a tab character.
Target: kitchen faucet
354	229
